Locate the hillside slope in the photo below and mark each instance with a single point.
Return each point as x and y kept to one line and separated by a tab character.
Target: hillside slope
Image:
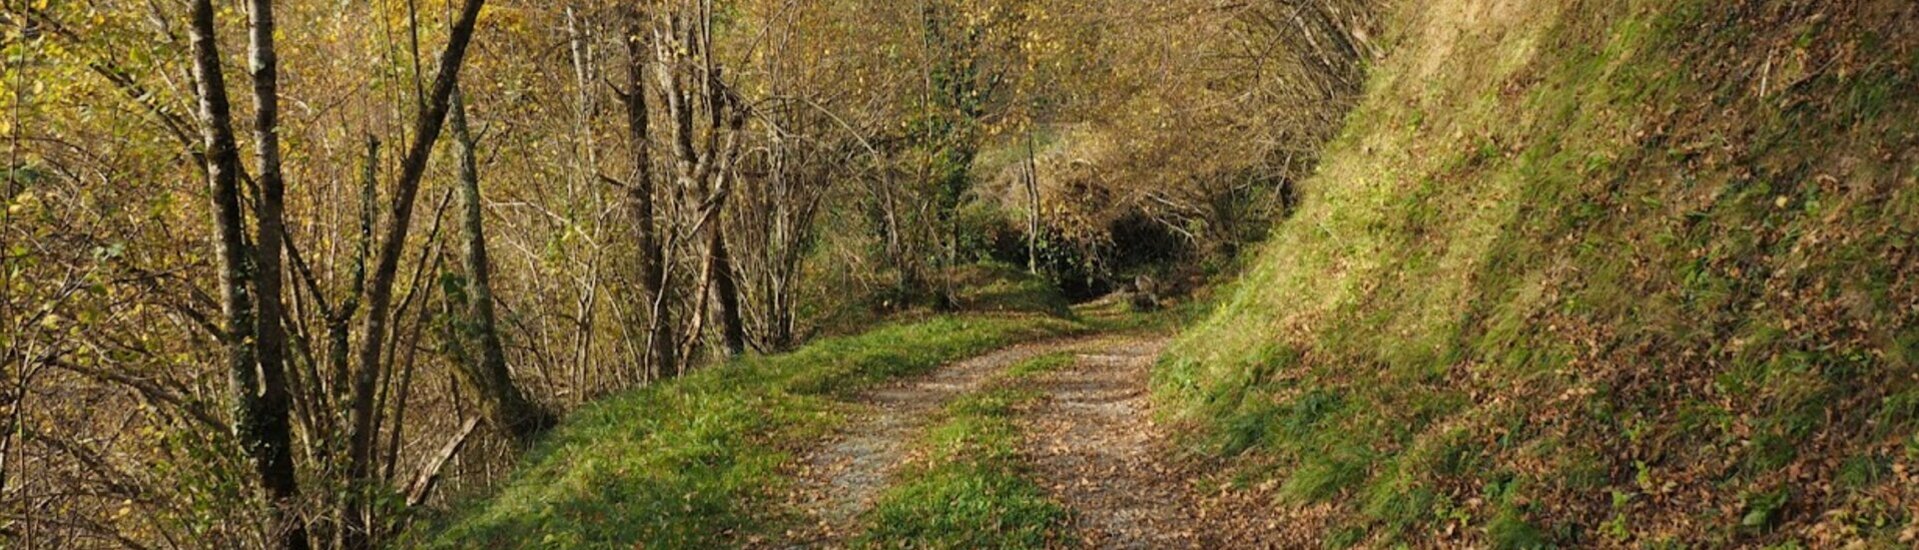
1593	273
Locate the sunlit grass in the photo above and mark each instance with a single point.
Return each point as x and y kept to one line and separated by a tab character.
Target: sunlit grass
1503	275
972	489
697	461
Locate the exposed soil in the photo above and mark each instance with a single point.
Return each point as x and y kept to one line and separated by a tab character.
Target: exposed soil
841	478
1094	445
1091	440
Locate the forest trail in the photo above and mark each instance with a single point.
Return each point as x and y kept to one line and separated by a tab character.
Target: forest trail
1095	447
1089	439
841	478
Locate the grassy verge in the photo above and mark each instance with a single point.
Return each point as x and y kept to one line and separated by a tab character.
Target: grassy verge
696	461
970	488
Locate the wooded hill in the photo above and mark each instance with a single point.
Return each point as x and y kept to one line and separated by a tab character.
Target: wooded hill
292	273
1467	273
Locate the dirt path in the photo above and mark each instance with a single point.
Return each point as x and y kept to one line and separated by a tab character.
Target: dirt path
1090	438
841	478
1095	447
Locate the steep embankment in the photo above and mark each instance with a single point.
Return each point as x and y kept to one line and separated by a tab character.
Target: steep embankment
1593	273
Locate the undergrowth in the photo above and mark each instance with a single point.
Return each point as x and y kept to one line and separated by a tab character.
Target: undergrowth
1588	272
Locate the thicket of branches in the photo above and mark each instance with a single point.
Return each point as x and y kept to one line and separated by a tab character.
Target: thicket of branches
279	273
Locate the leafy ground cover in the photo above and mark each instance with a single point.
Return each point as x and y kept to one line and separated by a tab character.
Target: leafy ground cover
1586	272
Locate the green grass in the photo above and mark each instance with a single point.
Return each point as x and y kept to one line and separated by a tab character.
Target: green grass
971	490
997	287
696	461
1514	284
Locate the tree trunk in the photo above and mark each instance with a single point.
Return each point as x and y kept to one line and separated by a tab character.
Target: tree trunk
426	130
274	437
719	260
500	399
639	192
726	290
1032	197
255	343
687	58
